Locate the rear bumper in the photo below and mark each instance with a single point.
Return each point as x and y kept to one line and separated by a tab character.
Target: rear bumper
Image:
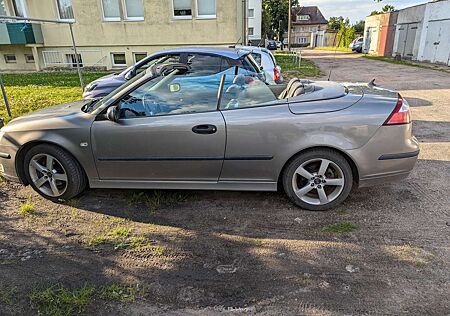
389	156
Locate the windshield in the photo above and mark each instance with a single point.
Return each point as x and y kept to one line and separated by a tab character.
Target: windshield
96	104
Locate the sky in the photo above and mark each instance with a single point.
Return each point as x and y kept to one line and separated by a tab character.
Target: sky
356	9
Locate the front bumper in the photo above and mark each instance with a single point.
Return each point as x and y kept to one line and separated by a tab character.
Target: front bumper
389	156
7	160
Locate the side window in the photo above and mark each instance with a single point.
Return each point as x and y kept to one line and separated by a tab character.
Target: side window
171	58
172	94
246	91
257	58
204	65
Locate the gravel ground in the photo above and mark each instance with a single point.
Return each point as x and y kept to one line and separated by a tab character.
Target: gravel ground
244	253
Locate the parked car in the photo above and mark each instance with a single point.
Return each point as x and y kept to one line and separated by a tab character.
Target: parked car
357	45
267	61
201	59
279	44
272	45
169	129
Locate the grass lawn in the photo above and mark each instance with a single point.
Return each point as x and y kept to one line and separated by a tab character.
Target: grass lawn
332	48
409	63
290	68
32	91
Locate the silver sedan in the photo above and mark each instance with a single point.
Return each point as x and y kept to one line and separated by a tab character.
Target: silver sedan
172	129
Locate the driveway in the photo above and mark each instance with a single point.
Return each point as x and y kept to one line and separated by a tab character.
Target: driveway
253	253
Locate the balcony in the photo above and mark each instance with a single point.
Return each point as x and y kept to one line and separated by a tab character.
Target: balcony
20	33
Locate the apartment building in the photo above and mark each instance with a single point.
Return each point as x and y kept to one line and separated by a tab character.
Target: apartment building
307	24
254	18
111	33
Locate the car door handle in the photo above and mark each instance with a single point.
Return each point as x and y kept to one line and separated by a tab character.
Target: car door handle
204	129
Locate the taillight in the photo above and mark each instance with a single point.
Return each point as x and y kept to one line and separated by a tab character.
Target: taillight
401	113
276	74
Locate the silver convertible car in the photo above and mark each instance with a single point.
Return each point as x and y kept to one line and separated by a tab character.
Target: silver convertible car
169	128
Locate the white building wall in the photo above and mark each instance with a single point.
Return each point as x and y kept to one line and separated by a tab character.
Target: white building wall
435	34
255	22
406	18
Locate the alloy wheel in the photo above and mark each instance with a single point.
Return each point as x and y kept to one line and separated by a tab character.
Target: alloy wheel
48	175
318	181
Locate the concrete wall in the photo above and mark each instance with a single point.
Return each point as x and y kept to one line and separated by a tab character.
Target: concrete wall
19	51
157	31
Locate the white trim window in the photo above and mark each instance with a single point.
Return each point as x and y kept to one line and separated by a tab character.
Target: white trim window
251	13
251	31
304	17
29	58
20	8
118	60
182	9
111	10
139	56
301	40
3	8
10	58
206	9
65	10
134	10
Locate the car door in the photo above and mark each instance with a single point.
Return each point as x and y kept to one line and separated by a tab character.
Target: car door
169	130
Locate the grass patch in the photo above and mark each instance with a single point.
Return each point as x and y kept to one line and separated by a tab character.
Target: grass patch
157	198
122	238
332	48
290	68
340	228
26	208
60	301
7	295
34	91
407	63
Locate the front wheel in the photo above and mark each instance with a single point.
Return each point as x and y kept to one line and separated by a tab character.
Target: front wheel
318	180
54	173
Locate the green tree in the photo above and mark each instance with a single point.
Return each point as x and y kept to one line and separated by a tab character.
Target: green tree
359	26
275	17
385	9
334	22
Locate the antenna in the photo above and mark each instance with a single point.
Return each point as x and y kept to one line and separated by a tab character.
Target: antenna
334	57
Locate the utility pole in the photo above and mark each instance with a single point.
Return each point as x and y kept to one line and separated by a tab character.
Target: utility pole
289	24
245	23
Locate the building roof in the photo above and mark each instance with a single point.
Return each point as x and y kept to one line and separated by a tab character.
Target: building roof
315	16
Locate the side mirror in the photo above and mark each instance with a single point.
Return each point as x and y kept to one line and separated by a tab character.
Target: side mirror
130	74
113	113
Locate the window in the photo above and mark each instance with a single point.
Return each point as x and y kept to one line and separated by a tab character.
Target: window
204	65
251	31
206	9
139	56
65	10
301	40
3	7
310	29
172	94
251	13
257	57
243	91
302	29
134	10
20	8
118	60
182	9
29	58
10	58
72	60
302	17
111	10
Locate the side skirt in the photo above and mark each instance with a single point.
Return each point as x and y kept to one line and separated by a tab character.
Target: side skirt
184	185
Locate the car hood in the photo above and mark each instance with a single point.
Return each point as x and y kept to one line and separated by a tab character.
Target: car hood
112	79
59	116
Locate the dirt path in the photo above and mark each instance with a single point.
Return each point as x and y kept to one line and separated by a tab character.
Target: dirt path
251	253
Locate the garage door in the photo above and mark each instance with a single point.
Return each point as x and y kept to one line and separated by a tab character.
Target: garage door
437	43
406	40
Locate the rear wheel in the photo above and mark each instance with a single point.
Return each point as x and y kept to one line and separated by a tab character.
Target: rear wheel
54	173
318	180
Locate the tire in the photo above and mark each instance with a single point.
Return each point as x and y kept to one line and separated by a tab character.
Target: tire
325	181
65	174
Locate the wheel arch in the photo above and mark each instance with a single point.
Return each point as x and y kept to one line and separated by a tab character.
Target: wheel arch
347	157
21	153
